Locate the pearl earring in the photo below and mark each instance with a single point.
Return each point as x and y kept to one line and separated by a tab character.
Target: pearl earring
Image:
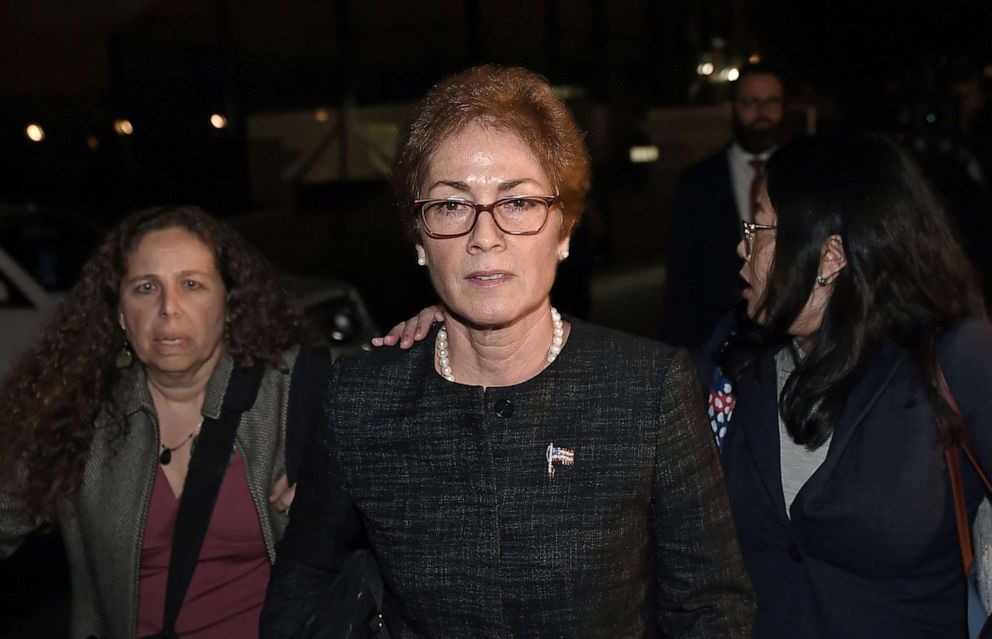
822	281
563	256
421	260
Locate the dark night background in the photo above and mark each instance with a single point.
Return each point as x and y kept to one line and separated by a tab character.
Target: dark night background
76	66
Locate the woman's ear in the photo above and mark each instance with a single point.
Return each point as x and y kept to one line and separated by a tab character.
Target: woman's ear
563	248
832	258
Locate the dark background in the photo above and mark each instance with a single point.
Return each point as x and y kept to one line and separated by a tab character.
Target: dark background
75	66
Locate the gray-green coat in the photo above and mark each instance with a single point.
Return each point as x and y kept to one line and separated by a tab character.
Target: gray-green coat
103	527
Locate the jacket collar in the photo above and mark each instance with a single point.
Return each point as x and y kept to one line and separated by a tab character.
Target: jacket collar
859	404
758	414
135	396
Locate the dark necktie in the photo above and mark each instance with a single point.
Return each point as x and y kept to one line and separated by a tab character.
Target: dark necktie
759	173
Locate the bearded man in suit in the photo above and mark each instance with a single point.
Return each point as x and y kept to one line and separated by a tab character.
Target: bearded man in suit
711	198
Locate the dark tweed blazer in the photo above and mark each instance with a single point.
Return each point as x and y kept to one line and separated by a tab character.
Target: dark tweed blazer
450	486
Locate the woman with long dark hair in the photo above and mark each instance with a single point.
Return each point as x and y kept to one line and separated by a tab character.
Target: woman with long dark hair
101	415
826	397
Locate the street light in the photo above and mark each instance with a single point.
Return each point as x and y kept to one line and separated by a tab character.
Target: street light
123	127
34	132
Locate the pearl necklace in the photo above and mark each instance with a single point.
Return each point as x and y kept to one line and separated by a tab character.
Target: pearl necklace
441	345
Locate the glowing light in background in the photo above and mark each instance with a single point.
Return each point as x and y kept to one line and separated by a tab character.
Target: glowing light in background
34	132
218	121
733	74
641	154
705	68
321	115
123	127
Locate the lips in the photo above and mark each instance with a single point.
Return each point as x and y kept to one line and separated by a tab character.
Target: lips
745	285
488	278
170	340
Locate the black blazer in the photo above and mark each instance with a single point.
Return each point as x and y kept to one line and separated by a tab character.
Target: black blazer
701	282
871	547
450	486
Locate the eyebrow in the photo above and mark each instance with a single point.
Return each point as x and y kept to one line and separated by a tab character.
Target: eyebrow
458	185
154	276
512	184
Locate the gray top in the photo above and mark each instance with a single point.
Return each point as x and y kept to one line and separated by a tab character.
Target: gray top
798	463
982	539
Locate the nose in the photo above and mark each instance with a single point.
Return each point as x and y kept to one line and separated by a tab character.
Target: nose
486	235
741	250
169	305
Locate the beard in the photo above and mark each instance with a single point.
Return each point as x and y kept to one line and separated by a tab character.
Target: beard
757	137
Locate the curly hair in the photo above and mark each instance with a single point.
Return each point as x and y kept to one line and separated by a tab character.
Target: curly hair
506	99
54	394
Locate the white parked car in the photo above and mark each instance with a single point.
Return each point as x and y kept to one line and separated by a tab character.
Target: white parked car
41	252
24	306
335	308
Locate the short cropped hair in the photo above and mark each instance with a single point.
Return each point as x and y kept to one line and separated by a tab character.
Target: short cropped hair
506	99
754	68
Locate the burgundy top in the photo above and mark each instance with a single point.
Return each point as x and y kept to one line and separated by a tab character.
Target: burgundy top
226	593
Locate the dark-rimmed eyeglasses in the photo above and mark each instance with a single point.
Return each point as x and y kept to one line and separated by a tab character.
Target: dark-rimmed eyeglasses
749	229
454	217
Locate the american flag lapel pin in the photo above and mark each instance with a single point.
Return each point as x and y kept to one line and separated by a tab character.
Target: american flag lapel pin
564	456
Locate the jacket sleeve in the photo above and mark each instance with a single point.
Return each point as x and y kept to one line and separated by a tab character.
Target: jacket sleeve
15	525
309	380
702	588
324	527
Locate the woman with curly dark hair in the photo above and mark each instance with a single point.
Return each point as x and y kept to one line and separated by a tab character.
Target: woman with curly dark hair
101	416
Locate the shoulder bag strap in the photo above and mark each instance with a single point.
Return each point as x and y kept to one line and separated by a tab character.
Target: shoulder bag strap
954	471
207	466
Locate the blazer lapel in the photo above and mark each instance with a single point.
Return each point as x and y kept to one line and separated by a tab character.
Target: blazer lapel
756	414
859	404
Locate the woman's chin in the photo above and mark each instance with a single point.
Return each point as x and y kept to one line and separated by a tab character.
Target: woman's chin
752	312
488	317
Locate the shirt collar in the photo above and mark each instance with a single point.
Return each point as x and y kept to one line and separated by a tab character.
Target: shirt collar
738	154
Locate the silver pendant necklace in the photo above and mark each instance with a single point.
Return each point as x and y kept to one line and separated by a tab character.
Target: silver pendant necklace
165	456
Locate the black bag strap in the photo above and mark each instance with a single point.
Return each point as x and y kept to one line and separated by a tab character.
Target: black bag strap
306	392
207	466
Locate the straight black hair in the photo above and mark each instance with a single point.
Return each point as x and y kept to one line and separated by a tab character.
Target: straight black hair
906	276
